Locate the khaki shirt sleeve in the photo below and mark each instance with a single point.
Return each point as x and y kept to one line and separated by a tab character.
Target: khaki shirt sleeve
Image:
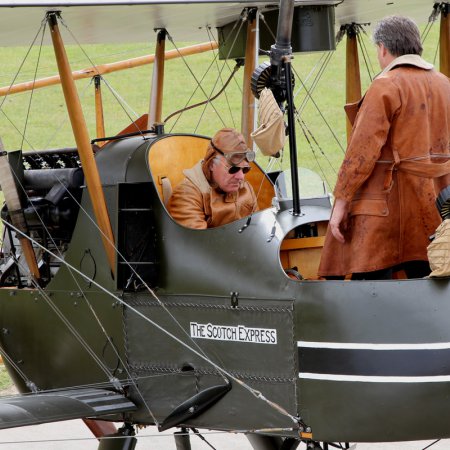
186	206
369	134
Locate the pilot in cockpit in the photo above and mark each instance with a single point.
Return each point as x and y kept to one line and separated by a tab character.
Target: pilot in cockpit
214	192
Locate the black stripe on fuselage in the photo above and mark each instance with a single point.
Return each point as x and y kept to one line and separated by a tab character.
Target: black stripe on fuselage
374	363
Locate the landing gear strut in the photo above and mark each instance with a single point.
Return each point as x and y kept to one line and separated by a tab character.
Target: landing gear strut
122	440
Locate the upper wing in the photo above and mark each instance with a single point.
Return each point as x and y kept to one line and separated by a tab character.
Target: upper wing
134	20
33	409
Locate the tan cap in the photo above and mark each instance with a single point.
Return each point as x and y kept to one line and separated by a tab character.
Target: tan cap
228	140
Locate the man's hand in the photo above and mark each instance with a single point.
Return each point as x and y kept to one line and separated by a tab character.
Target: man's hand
338	221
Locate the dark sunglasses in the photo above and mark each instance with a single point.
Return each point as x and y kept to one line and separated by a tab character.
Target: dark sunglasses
235	169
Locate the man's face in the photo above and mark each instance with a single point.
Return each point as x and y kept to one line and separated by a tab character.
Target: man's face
227	182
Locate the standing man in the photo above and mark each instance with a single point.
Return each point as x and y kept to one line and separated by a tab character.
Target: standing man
384	210
214	191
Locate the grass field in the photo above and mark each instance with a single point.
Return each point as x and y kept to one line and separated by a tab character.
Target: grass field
321	141
5	381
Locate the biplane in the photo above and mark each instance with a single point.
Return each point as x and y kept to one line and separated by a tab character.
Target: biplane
111	311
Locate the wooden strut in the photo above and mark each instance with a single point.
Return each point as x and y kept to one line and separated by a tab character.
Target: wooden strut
12	201
83	142
99	116
103	69
156	95
353	76
444	41
248	99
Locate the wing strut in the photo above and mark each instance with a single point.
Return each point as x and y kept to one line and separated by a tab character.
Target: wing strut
444	40
248	100
353	76
83	141
156	96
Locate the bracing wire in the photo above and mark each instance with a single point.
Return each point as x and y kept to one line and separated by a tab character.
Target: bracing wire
42	25
308	95
198	82
322	116
239	21
242	20
94	66
257	394
310	140
220	370
152	292
211	38
32	90
73	330
365	54
23	61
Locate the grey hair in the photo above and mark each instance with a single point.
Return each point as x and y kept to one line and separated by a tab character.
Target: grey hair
399	35
214	161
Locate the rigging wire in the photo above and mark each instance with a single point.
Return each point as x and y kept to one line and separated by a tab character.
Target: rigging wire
50	303
213	39
62	317
65	118
323	55
243	19
148	289
42	25
161	304
367	61
315	82
322	116
220	370
199	82
32	90
95	67
310	139
240	21
23	62
257	394
15	127
65	320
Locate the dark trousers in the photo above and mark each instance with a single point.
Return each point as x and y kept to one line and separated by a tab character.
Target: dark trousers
413	269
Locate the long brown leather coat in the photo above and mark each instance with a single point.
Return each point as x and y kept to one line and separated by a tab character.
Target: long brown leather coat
196	204
405	115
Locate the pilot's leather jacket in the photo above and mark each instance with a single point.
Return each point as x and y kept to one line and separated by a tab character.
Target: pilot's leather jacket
196	204
401	127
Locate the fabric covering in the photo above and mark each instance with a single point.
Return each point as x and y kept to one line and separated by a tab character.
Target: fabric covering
271	133
439	251
403	121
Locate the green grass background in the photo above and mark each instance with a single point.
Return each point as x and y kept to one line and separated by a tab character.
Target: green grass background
38	120
48	126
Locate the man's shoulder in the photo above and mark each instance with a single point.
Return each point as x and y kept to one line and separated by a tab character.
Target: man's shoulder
195	177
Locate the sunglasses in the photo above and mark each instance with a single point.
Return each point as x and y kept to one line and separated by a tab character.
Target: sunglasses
235	169
236	158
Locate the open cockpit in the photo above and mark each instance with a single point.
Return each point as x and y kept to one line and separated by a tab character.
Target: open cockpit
301	247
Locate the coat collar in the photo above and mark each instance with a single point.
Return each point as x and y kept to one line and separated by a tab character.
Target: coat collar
410	60
196	175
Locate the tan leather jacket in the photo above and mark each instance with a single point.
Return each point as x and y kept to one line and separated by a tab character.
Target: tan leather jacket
404	119
196	204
